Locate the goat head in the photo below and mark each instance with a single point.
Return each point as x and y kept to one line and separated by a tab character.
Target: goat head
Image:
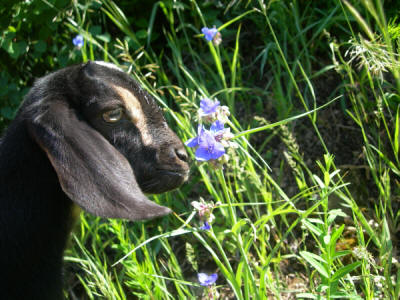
107	140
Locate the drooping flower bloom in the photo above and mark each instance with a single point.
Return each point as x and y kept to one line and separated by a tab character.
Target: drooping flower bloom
205	226
207	280
222	114
78	41
209	33
217	40
204	209
207	106
211	111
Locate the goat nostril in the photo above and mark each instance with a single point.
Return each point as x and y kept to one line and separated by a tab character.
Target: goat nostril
182	155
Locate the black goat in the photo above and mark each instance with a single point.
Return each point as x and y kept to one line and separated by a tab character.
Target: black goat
86	134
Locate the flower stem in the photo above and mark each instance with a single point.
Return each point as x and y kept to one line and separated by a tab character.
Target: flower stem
232	215
221	178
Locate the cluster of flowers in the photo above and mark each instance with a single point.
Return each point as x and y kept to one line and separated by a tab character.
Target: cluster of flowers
211	143
211	147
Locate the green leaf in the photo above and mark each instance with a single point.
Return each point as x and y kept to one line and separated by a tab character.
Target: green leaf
312	227
336	234
319	181
11	29
141	34
19	49
343	271
388	162
236	228
104	37
313	260
307	296
95	30
396	132
41	46
3	82
335	213
7	45
345	295
341	253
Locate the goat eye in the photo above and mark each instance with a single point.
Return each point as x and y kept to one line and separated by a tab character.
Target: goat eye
113	116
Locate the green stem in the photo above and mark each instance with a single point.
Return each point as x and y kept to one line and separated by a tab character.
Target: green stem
232	215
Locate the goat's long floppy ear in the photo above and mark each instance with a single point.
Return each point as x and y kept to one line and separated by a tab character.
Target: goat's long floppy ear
90	170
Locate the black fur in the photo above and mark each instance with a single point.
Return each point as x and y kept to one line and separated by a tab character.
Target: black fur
59	150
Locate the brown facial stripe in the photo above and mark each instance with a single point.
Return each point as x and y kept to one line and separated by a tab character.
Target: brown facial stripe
135	112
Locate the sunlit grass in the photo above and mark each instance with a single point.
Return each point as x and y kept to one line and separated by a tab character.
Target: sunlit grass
259	224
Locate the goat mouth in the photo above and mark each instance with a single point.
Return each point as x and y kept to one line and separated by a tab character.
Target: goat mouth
178	173
164	180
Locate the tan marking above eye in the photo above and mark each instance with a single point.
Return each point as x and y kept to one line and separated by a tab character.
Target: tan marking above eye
135	112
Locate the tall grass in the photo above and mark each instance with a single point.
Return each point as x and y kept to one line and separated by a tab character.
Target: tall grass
289	223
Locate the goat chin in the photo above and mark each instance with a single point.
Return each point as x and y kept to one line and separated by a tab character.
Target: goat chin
64	151
164	181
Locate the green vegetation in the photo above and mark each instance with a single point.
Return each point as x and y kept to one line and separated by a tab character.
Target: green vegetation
308	204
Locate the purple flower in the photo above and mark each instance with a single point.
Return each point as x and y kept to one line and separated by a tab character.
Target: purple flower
207	280
208	146
209	33
194	142
217	128
208	106
78	41
206	226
